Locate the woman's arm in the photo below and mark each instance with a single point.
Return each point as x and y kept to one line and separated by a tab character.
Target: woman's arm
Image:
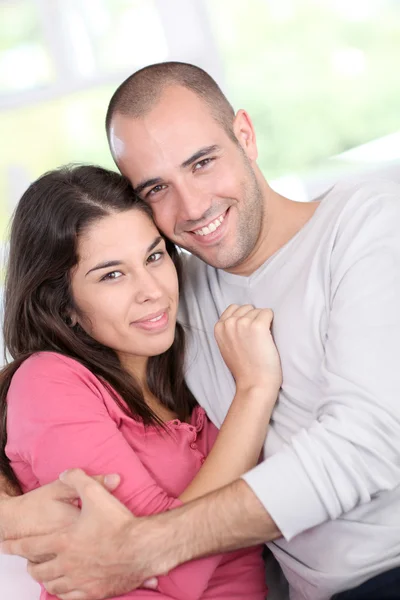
243	334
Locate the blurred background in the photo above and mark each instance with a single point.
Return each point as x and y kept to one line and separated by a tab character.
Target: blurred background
319	78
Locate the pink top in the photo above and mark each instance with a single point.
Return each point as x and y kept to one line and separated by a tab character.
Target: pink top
61	416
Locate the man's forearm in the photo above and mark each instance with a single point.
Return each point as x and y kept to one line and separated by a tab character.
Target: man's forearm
108	552
7	490
227	519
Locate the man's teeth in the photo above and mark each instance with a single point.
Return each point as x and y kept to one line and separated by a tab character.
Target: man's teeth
211	227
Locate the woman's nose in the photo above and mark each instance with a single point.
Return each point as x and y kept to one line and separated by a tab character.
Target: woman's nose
148	289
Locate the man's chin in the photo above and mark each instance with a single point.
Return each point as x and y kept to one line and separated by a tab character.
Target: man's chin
225	261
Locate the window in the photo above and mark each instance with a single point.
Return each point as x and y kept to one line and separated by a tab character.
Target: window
318	77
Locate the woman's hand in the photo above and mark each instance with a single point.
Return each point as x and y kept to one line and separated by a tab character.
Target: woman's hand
244	337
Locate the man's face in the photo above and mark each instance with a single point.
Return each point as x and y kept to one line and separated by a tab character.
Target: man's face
200	184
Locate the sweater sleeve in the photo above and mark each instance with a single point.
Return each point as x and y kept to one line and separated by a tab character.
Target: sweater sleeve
351	451
58	420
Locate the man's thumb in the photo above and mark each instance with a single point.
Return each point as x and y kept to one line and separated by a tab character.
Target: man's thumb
82	483
110	482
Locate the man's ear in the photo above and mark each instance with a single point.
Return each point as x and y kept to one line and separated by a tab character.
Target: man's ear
244	131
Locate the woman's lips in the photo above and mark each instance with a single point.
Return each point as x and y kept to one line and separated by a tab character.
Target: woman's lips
153	322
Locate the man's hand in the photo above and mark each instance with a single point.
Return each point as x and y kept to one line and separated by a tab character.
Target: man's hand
91	558
42	511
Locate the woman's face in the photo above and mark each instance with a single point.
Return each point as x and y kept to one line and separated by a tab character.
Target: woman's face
125	286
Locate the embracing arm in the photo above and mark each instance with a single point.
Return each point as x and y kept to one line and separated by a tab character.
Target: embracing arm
232	517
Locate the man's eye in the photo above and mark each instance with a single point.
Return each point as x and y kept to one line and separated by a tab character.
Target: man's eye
155	190
202	163
112	275
155	257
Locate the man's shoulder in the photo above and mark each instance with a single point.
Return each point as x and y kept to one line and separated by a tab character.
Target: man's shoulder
356	201
354	192
361	217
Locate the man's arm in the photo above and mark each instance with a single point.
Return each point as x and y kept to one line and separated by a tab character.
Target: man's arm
40	512
108	552
245	523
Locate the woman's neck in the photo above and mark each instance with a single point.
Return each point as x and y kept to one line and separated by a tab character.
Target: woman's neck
137	367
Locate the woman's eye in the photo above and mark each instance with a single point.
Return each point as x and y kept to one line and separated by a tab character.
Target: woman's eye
155	257
112	275
202	163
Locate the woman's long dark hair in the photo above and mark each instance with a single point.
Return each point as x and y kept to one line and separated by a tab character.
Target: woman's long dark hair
51	215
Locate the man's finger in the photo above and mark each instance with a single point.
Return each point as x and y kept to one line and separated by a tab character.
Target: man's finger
45	571
79	482
35	548
90	492
75	595
58	490
61	585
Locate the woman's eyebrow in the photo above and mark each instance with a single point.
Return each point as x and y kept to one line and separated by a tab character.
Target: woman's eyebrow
105	265
116	263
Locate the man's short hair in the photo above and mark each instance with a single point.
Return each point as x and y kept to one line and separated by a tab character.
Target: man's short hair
138	94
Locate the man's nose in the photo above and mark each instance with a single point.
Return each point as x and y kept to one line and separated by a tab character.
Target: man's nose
192	203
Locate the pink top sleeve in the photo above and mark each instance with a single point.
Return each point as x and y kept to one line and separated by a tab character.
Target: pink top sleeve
59	418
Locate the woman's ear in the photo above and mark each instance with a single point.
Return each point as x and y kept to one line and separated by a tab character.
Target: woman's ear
71	319
244	131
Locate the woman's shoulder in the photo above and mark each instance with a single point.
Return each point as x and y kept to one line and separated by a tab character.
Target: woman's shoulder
45	368
48	384
48	362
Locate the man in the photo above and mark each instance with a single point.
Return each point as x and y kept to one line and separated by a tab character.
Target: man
327	496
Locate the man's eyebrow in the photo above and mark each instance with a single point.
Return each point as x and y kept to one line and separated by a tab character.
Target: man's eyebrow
147	183
157	180
199	154
116	263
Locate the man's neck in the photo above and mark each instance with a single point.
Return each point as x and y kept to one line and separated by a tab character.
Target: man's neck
284	218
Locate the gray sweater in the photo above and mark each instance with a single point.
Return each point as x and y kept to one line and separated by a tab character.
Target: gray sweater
330	478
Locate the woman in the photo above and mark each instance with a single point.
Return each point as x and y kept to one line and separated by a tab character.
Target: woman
97	378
